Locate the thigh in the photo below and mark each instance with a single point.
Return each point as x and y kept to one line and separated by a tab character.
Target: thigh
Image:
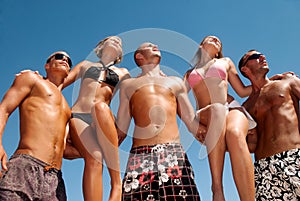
236	121
84	139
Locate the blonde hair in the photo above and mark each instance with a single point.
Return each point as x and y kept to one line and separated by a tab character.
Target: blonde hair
98	49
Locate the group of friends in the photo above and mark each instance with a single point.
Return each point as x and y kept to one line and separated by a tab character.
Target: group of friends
267	124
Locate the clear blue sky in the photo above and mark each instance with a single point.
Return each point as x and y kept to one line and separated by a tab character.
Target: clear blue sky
31	30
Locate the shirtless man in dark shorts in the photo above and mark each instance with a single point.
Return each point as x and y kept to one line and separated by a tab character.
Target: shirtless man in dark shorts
158	168
274	104
33	172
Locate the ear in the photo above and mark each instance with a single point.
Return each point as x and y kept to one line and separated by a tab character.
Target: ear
46	65
139	56
245	70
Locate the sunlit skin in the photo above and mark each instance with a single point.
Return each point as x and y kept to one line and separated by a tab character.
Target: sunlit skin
97	141
275	106
232	135
43	115
154	100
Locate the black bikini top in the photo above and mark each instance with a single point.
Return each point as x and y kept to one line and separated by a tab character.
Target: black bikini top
93	72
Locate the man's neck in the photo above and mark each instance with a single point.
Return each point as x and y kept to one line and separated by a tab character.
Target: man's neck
258	83
57	81
151	70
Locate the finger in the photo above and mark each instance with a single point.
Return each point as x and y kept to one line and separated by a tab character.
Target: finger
3	162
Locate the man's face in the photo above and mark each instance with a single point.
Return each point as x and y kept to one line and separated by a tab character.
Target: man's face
59	60
149	50
255	61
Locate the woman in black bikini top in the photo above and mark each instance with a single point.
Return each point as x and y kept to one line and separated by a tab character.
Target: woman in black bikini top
94	133
94	72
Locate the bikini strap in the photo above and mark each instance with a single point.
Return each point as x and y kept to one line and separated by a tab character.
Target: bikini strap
103	68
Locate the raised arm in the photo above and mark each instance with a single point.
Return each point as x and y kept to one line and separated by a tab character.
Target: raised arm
123	116
236	82
75	73
18	91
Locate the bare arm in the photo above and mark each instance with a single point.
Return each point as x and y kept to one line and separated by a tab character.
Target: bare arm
70	151
19	90
74	74
186	112
295	86
123	116
125	75
236	82
186	84
252	140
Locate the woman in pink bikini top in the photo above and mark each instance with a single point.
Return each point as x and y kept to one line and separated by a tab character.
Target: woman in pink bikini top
227	128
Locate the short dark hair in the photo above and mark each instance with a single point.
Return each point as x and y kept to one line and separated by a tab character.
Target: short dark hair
241	62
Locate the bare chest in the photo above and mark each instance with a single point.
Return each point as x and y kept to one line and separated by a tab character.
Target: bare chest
270	97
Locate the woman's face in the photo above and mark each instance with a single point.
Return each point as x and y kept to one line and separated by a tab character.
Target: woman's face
212	43
110	46
113	43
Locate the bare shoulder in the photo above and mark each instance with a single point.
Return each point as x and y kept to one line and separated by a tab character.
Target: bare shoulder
123	73
127	82
227	59
176	79
28	76
176	83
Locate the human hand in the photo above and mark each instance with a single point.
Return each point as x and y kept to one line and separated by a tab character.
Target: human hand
3	158
282	75
27	70
71	152
201	134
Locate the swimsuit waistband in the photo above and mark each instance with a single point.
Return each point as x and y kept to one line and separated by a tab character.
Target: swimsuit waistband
151	148
47	166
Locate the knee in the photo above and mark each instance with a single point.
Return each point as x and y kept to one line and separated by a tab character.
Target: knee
94	159
234	134
236	137
100	107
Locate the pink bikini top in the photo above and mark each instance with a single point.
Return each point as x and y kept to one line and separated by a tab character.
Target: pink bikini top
215	70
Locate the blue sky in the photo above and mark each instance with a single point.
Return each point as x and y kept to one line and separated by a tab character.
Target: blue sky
31	30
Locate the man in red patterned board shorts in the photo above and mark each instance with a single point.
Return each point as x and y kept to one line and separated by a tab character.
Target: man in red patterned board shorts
158	167
33	172
274	104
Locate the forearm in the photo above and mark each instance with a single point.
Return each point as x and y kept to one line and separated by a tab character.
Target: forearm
71	152
3	120
121	136
252	140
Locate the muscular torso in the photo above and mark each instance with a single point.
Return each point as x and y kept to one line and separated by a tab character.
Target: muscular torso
43	118
275	110
154	110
